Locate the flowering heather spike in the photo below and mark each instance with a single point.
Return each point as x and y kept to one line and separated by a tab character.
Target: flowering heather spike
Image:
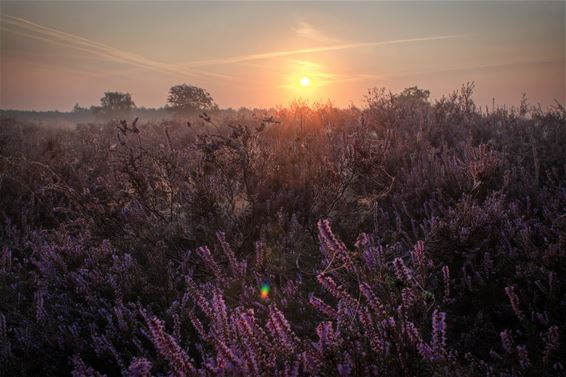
372	300
388	323
251	358
169	349
102	345
328	338
363	241
39	308
418	255
439	333
252	351
206	256
237	268
523	355
375	340
139	367
552	344
345	369
322	307
197	324
514	300
425	351
328	283
413	333
195	294
281	330
401	271
80	369
326	238
407	297
332	246
259	256
6	259
373	256
176	327
446	279
365	318
506	341
309	363
291	370
221	324
227	354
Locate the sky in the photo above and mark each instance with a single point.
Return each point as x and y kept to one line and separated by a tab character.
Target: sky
54	54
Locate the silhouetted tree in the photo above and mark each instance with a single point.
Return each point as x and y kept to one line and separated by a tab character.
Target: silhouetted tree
78	109
413	96
188	98
115	105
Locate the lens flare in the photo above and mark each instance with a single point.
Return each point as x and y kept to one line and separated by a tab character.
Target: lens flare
264	292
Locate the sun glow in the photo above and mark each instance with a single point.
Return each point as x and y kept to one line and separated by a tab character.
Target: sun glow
305	81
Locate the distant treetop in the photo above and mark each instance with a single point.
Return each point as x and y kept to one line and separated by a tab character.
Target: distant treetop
115	105
188	98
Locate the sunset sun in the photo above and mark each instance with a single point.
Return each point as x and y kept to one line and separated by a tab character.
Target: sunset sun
305	81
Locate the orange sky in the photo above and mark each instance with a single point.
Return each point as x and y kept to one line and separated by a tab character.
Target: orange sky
56	54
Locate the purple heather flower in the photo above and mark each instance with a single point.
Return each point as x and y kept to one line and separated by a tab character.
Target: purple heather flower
209	261
401	271
322	307
418	255
338	292
331	246
514	300
281	330
523	355
169	349
238	268
506	341
201	301
372	300
139	367
446	279
439	333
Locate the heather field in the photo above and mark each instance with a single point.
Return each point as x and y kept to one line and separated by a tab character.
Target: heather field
406	237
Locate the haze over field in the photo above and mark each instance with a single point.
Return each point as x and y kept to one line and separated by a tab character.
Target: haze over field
55	54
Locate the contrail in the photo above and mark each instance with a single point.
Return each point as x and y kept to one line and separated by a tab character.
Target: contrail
367	76
48	34
346	46
51	35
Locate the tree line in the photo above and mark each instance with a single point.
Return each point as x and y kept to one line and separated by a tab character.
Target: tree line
183	100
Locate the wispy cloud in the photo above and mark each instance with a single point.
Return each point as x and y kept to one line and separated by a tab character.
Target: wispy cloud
307	31
32	30
335	47
364	77
28	29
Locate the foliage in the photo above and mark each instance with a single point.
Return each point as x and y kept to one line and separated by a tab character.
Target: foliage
115	105
409	238
186	99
